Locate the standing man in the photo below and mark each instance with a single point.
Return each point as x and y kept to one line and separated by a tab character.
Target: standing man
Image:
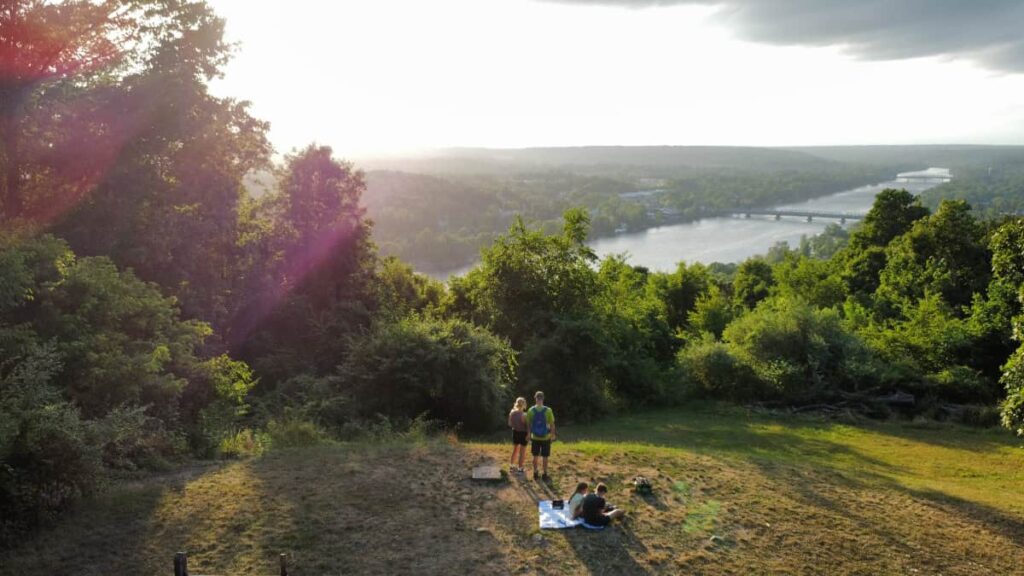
541	421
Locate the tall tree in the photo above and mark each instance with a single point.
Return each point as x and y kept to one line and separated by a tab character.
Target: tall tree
173	158
43	41
318	290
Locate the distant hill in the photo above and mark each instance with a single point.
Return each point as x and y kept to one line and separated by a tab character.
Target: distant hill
656	160
916	157
669	161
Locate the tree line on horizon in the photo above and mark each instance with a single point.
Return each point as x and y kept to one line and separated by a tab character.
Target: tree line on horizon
152	311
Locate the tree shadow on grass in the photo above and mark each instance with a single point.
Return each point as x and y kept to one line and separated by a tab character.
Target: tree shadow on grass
106	534
744	440
608	551
392	509
1009	526
930	533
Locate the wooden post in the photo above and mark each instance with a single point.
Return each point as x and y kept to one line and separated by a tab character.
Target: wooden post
284	564
180	564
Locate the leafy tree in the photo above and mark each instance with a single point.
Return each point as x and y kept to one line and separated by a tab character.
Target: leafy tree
528	279
891	214
680	291
641	343
713	311
120	342
943	253
825	244
753	282
400	290
318	291
157	185
43	42
1008	270
447	369
797	351
811	280
712	370
49	456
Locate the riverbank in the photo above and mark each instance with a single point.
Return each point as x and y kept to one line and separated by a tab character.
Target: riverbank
728	239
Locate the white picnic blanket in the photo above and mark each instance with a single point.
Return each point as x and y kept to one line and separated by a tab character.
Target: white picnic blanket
555	519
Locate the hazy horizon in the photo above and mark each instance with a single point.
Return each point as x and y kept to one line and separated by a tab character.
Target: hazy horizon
393	76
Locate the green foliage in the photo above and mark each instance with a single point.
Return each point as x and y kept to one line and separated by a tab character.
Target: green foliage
566	361
400	290
811	280
1008	270
943	254
753	282
711	370
119	382
796	350
712	312
825	244
451	370
291	432
49	455
640	343
441	218
242	444
680	292
891	215
1012	408
314	291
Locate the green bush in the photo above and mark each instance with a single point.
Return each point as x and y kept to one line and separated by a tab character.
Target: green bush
294	433
798	352
244	443
49	455
451	370
711	370
1012	408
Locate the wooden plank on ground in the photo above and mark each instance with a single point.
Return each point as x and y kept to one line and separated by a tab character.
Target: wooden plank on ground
487	472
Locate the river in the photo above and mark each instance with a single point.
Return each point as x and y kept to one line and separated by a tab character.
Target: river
734	239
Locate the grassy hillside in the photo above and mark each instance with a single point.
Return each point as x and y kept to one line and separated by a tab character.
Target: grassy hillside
778	496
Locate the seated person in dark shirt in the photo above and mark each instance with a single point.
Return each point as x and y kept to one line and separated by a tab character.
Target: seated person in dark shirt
596	511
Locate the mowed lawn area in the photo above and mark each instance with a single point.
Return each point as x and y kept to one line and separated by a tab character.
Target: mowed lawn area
735	493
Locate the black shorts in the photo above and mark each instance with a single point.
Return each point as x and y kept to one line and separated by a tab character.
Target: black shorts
599	520
540	448
519	437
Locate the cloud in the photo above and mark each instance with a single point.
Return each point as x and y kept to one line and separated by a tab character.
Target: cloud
990	32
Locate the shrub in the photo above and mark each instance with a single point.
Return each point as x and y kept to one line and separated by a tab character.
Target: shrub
797	351
243	443
294	433
711	370
49	456
1012	408
451	370
961	384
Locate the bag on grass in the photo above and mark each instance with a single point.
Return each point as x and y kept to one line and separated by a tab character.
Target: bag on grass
642	486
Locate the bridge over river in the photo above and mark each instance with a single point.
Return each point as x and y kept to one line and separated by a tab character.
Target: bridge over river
808	215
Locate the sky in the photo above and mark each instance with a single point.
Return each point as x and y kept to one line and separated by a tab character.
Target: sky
371	77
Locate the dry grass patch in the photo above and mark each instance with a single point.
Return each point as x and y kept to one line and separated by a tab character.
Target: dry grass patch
734	494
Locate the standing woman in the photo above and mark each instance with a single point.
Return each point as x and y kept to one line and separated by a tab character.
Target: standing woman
517	422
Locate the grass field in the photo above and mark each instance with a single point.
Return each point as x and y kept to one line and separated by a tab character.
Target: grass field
735	493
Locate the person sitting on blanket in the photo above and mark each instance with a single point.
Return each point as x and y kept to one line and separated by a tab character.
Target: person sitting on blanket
596	511
575	504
